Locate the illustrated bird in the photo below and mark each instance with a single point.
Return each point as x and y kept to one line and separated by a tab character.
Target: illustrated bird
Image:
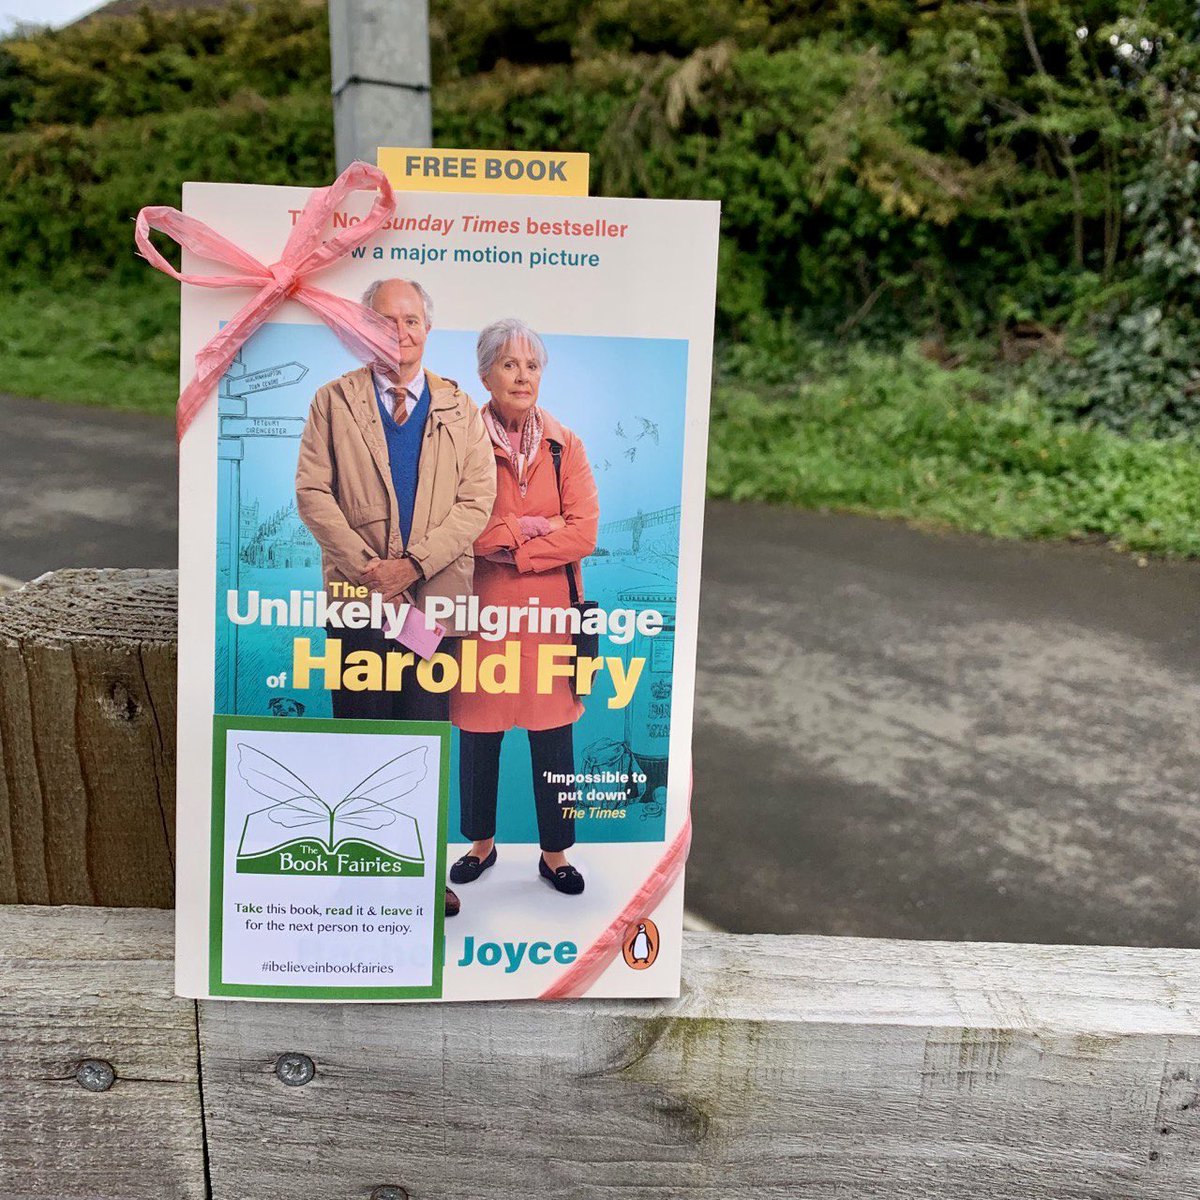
640	950
631	453
620	432
649	429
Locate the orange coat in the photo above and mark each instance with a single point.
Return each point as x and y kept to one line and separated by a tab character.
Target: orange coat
538	571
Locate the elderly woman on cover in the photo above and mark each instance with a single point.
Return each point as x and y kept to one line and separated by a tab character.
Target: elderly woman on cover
544	522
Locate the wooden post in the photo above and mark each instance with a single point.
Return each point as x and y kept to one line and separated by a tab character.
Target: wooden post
791	1067
87	738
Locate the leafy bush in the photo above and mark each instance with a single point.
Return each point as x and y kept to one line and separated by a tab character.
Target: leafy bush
809	226
871	154
1136	361
73	190
163	62
886	168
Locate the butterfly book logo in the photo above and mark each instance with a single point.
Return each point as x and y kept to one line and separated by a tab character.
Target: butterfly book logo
301	833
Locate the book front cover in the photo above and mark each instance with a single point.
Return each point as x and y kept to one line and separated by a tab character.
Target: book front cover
438	615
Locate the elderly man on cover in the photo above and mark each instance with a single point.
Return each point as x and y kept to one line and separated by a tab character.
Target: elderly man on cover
396	479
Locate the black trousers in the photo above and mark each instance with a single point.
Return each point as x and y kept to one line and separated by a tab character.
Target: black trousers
411	703
552	750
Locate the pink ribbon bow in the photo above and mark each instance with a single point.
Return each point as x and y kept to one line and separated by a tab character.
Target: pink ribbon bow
364	333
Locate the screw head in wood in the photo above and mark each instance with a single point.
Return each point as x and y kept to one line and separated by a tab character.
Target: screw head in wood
389	1191
95	1074
294	1070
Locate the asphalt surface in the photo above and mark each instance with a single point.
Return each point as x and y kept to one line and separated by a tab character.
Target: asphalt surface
940	736
84	487
898	733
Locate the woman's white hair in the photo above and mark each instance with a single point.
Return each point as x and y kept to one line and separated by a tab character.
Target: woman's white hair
498	334
368	297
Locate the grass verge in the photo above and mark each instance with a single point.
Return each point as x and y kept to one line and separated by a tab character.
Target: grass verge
895	435
794	422
93	342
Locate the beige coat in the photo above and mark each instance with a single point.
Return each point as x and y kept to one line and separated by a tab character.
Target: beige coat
344	487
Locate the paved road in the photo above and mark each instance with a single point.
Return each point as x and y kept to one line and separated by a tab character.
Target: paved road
82	487
918	735
898	733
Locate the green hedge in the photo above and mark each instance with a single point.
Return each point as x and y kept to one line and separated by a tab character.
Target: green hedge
924	152
750	128
72	191
885	167
162	61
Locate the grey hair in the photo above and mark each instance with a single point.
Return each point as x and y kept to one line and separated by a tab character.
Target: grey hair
498	334
368	297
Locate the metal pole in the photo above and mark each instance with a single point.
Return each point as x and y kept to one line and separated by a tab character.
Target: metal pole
379	55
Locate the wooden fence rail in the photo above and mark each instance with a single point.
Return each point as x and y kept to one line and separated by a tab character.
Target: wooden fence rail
790	1067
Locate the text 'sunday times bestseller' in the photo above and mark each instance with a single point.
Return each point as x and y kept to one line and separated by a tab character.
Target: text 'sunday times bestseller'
438	607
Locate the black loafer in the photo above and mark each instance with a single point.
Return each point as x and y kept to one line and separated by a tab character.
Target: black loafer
469	868
452	904
565	879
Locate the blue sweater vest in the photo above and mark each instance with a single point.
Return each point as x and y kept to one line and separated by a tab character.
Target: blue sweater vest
404	455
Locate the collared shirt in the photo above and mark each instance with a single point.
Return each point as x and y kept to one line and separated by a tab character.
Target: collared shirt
390	392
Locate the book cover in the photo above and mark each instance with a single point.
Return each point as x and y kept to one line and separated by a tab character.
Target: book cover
522	491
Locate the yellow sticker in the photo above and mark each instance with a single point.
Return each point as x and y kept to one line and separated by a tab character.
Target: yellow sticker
503	172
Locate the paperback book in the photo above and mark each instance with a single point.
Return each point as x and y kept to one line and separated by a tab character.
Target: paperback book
438	608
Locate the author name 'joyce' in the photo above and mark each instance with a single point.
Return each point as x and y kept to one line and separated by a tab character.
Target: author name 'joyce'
539	954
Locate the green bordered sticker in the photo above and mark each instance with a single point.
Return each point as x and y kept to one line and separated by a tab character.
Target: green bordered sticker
328	858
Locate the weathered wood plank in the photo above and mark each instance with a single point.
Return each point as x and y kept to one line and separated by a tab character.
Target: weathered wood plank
789	1067
9	891
88	983
87	733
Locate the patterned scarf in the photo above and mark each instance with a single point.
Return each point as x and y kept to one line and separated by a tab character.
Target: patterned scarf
531	439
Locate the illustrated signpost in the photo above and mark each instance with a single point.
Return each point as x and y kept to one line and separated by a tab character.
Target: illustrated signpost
235	426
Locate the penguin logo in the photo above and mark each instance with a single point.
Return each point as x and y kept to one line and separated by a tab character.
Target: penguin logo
641	944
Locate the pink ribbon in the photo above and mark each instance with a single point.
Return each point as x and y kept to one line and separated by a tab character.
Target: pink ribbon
592	963
364	333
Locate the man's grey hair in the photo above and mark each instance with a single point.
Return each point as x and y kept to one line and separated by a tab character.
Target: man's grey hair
498	334
368	297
